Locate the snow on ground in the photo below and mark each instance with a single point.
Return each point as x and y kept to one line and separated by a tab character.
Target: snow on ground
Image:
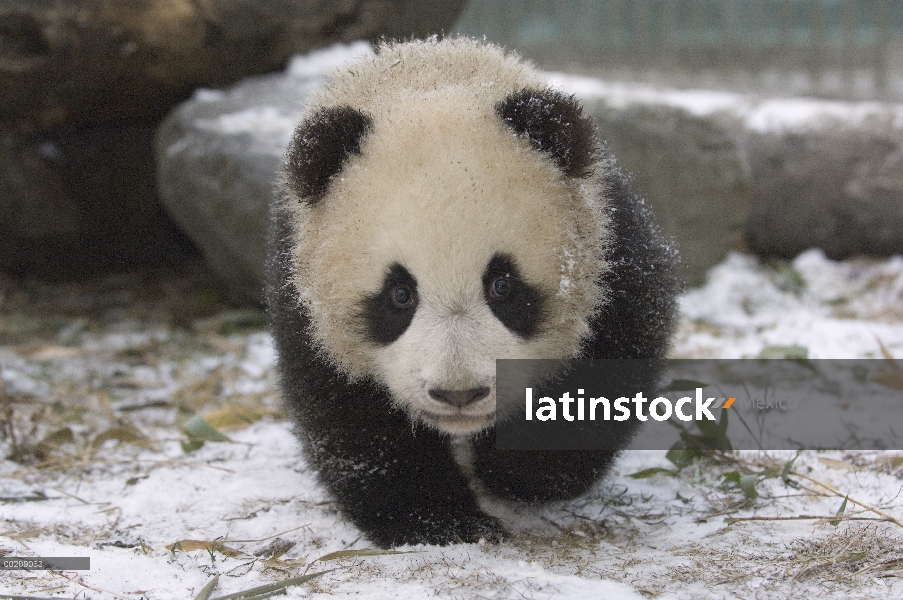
98	464
834	310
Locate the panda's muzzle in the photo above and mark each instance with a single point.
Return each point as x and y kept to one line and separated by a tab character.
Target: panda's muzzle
459	398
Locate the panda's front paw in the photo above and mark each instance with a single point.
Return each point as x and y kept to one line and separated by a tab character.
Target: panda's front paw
473	528
462	529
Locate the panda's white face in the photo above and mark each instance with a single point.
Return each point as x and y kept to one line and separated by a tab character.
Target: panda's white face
446	243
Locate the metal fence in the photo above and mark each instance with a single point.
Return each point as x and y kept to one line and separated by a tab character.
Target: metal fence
839	48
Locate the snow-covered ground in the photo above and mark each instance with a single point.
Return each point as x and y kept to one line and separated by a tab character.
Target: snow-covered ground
99	464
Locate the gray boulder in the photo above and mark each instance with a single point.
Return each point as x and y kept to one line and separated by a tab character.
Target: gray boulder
107	60
691	172
77	202
827	175
217	159
774	176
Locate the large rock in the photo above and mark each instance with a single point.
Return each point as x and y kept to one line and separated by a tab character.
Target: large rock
827	175
217	158
107	60
80	201
820	174
83	86
688	167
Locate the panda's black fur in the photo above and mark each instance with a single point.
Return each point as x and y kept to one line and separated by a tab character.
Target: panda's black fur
392	475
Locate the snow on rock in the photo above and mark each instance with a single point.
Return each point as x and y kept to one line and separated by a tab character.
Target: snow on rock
757	114
701	103
218	155
320	62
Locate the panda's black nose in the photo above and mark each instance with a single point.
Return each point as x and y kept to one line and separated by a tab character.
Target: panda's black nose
459	398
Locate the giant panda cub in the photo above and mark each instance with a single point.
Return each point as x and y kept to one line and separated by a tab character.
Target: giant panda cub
441	207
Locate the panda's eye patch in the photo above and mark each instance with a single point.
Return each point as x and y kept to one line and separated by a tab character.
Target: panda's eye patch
513	301
388	313
402	296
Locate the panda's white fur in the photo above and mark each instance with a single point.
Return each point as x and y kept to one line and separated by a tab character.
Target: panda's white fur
440	186
440	208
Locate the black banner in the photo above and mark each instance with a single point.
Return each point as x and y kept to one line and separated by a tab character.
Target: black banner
749	404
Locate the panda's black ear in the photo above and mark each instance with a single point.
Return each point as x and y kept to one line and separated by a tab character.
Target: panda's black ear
321	145
555	124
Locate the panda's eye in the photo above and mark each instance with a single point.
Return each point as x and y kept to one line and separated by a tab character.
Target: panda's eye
387	313
402	296
514	301
499	287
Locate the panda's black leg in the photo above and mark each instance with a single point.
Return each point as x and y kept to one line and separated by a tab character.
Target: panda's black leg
537	476
396	481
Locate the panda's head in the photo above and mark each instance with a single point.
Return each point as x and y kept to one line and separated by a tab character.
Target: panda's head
447	211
